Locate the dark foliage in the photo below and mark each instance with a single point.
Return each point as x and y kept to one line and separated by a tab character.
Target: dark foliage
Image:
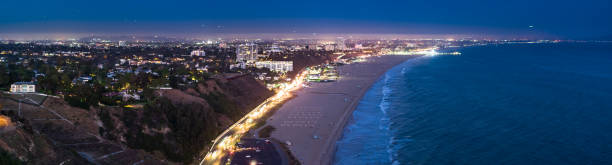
222	104
190	124
8	159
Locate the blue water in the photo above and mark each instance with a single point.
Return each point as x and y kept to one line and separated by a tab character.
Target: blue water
501	104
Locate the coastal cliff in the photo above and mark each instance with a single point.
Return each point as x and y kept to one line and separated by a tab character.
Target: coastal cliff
179	124
174	127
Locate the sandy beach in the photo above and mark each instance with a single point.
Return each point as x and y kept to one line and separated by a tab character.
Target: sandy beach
314	120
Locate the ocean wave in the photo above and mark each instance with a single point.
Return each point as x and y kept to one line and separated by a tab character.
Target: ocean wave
384	107
373	114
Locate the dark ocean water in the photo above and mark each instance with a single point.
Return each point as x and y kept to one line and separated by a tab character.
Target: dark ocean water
502	104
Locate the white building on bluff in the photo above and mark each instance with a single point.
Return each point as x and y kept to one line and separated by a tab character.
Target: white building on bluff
23	87
276	66
198	53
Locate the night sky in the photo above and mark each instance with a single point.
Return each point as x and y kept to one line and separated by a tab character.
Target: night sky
560	18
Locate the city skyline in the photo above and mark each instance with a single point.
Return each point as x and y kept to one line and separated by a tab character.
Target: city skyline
538	19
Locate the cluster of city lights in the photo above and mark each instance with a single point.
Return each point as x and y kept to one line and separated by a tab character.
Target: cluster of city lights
4	121
425	51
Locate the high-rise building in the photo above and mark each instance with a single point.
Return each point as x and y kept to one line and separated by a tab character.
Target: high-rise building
246	52
122	43
340	43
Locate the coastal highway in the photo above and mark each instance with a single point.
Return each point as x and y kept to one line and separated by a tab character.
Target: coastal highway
225	143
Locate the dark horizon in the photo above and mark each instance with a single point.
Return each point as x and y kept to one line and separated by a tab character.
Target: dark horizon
507	20
260	36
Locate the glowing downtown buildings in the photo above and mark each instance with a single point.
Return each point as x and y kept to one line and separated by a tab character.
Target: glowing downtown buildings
246	52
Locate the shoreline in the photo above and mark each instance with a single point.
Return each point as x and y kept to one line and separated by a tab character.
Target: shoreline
303	121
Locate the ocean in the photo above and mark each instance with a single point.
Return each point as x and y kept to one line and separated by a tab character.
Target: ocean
496	104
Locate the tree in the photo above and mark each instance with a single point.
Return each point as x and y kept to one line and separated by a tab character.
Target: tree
84	95
9	159
173	81
4	77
